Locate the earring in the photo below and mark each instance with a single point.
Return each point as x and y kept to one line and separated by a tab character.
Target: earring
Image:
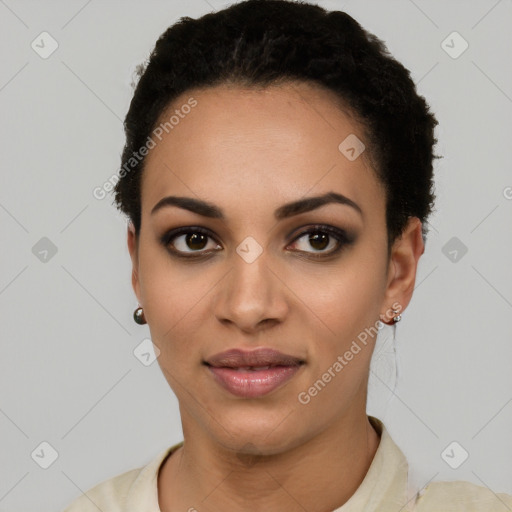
138	316
397	317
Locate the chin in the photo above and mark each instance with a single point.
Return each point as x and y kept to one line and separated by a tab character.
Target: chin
259	432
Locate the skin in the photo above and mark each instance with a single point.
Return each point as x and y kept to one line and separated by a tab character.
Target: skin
249	151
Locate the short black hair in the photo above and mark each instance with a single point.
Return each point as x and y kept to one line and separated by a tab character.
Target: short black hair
258	43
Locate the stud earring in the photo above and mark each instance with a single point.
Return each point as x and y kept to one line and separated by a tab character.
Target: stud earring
138	316
397	317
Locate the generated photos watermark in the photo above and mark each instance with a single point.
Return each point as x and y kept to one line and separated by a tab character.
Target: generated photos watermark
100	192
304	397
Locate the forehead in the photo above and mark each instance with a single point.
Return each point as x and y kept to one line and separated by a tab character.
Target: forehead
258	147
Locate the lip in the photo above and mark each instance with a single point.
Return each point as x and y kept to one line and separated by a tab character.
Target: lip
232	370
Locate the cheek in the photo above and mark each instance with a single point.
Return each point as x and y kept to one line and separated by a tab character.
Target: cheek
344	307
346	310
172	294
345	299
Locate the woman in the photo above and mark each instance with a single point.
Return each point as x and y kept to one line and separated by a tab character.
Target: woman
277	176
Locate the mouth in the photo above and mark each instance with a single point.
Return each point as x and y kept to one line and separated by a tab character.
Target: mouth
252	374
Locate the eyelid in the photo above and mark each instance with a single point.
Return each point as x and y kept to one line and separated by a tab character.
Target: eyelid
308	228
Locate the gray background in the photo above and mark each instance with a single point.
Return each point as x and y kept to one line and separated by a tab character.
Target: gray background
68	374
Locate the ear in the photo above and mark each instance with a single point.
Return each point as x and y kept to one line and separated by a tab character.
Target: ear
133	248
403	263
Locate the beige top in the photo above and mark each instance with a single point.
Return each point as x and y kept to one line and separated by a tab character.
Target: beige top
384	489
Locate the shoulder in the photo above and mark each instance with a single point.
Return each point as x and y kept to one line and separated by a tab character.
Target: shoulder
108	495
461	496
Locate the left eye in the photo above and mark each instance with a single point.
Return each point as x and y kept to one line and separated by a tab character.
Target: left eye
323	240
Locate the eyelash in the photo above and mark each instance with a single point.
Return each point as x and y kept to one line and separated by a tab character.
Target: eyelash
341	237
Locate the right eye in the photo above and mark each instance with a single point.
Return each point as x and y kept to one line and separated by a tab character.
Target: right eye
189	240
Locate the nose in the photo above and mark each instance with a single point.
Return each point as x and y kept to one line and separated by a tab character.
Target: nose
251	296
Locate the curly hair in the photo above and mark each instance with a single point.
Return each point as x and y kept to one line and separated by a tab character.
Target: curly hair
258	43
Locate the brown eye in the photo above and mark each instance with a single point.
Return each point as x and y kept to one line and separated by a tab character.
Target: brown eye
324	240
319	241
196	241
189	240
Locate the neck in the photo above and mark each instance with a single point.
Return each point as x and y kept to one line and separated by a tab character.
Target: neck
203	476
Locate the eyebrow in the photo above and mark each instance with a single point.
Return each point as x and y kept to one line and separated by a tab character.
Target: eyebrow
288	210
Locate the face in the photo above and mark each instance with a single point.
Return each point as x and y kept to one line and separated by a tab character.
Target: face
244	271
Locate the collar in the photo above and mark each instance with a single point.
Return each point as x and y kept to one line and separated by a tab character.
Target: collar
385	485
